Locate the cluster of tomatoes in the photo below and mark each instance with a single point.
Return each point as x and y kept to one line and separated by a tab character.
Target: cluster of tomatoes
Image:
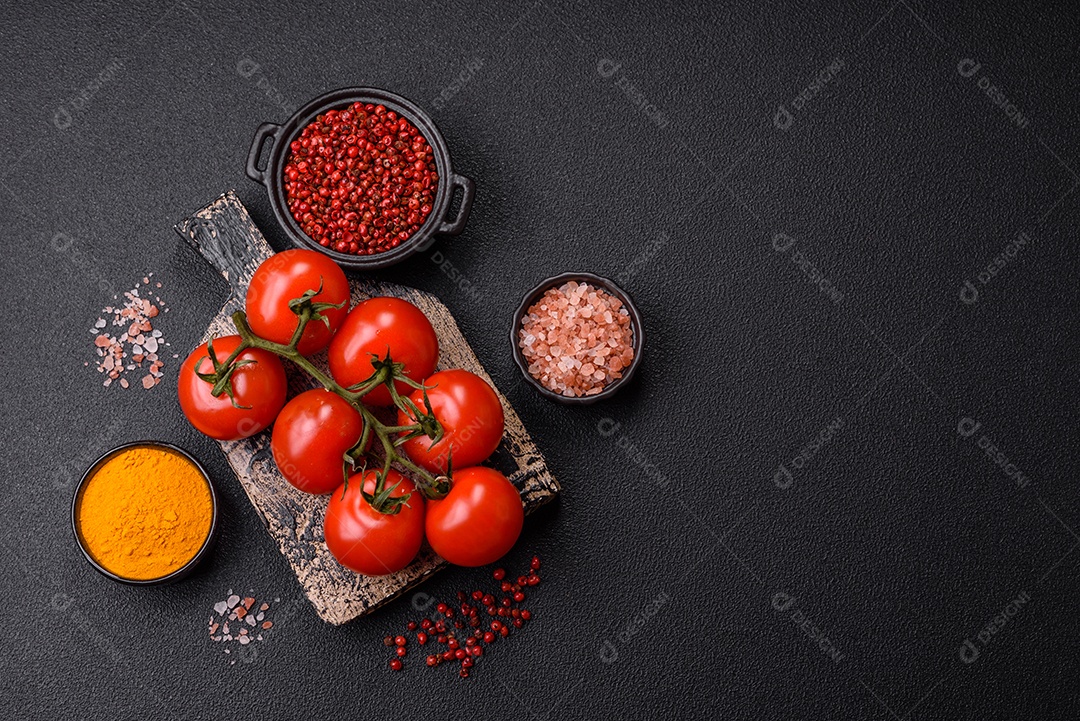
382	357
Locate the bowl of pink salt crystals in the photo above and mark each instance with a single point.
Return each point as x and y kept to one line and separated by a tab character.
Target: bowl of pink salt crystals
577	337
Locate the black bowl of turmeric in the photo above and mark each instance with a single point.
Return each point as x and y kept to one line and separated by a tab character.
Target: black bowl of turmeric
145	513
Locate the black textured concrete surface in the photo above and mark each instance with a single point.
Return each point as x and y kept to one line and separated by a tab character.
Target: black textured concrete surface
843	484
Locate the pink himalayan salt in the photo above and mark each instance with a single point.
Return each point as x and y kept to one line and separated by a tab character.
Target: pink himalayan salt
577	339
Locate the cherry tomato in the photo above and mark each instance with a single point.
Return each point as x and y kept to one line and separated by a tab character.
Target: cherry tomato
260	386
310	438
289	275
370	542
471	417
378	325
478	521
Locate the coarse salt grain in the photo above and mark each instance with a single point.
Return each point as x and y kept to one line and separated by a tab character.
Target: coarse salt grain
236	609
576	339
138	341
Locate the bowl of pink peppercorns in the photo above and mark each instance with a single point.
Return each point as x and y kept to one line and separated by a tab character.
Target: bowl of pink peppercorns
362	175
577	337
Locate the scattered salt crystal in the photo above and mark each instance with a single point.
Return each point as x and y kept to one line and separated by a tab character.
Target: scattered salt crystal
243	613
133	318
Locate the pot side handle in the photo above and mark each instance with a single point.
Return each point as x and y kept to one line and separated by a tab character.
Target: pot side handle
468	192
265	131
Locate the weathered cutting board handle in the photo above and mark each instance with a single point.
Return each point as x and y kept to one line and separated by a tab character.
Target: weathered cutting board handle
217	244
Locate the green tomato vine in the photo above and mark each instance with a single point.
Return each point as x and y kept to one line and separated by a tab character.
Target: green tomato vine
386	372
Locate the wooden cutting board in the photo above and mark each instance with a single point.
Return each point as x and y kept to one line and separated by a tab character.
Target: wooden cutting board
225	235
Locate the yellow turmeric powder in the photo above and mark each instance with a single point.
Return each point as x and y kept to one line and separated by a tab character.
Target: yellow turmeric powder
145	512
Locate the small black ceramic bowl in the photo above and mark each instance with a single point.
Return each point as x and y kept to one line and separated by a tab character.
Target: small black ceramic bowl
272	176
636	326
179	573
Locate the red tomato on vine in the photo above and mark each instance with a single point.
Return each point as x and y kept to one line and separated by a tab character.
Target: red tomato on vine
471	417
257	388
287	276
367	541
479	520
378	326
311	435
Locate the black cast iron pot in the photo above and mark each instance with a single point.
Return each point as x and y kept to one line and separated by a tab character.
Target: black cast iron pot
272	175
